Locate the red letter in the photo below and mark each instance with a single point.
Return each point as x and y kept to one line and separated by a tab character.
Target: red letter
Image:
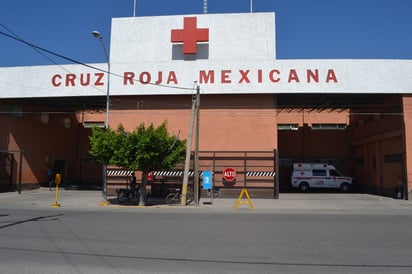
244	74
145	77
314	76
70	79
159	78
225	74
260	76
331	76
128	78
56	83
99	78
293	76
271	76
206	77
172	78
82	80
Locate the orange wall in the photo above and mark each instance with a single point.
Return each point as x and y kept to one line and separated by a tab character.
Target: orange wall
41	143
227	122
407	123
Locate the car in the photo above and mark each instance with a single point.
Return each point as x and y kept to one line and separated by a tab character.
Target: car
314	175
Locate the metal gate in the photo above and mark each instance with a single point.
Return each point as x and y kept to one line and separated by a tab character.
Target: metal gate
254	170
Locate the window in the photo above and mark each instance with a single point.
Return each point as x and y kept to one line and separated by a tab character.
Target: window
90	124
65	122
319	172
14	111
286	162
288	126
392	158
335	173
328	126
42	117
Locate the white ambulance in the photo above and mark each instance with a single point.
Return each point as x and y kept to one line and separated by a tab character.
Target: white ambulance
311	175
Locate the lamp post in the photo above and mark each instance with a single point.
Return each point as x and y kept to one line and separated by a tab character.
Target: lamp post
97	35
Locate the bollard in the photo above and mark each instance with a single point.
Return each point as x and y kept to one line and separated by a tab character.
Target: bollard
57	180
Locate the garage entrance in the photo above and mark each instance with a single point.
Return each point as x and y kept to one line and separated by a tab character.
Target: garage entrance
361	135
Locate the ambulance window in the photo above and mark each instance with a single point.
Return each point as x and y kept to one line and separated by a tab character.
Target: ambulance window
319	172
335	173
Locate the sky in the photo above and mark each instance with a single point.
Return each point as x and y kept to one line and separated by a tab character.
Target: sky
305	29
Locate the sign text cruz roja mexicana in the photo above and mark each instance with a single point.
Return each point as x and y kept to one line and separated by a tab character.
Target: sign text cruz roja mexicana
240	76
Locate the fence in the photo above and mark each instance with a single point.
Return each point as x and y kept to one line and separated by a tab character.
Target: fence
255	170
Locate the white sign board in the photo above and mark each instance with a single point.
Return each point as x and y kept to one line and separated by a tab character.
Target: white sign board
223	53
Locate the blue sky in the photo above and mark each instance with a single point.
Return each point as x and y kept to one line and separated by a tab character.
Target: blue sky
305	29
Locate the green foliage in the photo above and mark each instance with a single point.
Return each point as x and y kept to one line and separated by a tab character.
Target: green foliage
145	149
101	142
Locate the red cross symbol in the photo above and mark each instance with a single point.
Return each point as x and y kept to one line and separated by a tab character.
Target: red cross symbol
189	35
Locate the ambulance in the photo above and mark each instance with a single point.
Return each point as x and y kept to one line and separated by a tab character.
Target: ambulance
313	175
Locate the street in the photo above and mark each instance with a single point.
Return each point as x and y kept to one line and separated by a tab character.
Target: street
177	240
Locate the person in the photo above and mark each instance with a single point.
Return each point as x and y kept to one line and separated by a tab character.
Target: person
399	189
133	183
50	176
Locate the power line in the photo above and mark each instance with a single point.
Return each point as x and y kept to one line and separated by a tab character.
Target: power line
35	49
49	51
18	39
41	53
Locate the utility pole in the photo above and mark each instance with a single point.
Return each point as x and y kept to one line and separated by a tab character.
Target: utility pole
188	152
196	187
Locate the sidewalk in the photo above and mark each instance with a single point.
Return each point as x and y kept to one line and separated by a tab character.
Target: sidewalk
288	202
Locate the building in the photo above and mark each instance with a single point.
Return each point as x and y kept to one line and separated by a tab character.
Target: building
355	114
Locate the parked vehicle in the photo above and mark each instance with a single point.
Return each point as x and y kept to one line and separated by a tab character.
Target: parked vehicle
126	195
176	197
313	175
129	194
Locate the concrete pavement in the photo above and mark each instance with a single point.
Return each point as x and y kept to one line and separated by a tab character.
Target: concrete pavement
287	202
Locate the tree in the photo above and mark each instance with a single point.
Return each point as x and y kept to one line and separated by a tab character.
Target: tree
145	149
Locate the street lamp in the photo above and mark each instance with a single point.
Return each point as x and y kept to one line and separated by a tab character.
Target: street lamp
97	35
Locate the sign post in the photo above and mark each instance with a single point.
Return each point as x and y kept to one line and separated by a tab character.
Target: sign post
208	184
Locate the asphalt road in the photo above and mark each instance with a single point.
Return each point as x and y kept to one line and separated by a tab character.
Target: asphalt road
172	240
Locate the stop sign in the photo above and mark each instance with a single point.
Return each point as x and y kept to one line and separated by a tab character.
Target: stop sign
150	176
229	174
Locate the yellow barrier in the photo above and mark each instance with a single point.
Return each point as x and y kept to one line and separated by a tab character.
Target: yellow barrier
239	200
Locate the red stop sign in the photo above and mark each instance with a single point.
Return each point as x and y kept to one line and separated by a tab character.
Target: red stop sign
150	176
229	174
